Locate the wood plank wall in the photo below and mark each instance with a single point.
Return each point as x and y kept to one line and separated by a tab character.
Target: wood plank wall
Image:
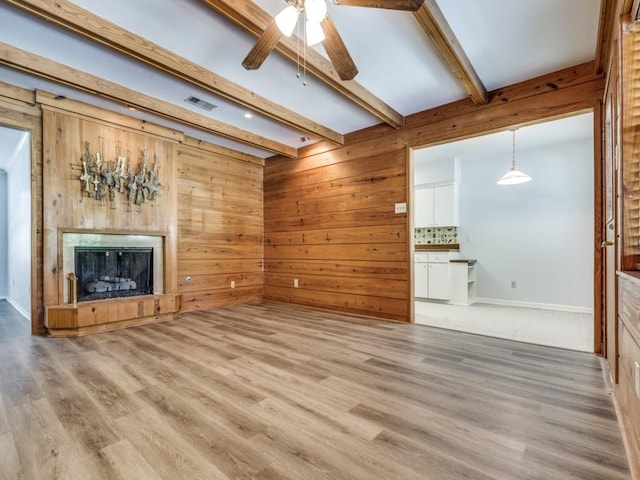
330	223
329	215
220	226
67	208
209	208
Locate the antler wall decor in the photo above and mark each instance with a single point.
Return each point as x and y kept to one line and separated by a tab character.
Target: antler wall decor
102	179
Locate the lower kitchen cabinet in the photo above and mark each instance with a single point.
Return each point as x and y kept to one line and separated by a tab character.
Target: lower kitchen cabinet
432	276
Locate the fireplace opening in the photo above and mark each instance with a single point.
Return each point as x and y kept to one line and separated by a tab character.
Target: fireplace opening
111	272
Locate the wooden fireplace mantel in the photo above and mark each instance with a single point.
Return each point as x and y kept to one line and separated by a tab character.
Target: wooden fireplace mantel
70	320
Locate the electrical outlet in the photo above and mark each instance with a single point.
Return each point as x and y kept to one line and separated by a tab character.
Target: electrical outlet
295	283
233	284
401	208
513	284
637	377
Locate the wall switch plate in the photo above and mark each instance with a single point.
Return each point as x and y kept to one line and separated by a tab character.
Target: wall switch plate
401	208
295	283
233	284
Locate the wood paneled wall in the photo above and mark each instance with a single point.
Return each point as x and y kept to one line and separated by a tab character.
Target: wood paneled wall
220	226
209	208
66	207
330	223
329	215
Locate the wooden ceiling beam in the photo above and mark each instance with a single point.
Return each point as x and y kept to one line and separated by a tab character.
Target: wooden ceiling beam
436	27
252	18
44	68
85	23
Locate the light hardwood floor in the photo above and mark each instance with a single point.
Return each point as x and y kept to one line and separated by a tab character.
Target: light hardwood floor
274	391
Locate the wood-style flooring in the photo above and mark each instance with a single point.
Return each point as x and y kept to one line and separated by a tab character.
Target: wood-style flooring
275	391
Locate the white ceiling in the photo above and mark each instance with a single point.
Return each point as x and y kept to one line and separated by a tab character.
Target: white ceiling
506	40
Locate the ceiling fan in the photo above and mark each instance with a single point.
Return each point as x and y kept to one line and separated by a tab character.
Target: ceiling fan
318	28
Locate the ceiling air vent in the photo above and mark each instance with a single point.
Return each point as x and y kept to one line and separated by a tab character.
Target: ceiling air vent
200	103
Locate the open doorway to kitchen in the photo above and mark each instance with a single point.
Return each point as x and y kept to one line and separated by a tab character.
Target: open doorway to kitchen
510	261
15	220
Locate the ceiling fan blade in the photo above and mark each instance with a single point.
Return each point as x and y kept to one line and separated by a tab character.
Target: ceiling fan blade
410	5
261	50
337	51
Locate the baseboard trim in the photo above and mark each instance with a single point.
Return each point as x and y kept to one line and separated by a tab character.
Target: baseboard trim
541	306
20	310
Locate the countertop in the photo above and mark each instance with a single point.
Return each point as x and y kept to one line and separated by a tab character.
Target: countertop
442	247
470	261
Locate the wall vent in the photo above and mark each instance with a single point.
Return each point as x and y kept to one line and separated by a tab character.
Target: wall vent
200	103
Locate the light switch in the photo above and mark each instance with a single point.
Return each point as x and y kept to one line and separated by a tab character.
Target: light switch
401	207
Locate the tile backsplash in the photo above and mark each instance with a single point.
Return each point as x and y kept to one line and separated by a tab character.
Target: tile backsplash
436	235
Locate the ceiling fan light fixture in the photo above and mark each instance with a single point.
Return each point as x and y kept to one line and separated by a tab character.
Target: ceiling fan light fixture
314	33
286	20
315	10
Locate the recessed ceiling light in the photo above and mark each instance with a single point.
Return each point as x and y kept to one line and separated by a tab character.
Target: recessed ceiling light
200	103
248	115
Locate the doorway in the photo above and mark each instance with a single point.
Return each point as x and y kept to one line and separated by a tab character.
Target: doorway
15	219
532	243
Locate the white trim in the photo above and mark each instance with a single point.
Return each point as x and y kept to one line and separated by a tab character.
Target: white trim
20	310
541	306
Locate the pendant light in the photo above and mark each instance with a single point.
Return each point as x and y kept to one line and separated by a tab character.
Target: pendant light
514	176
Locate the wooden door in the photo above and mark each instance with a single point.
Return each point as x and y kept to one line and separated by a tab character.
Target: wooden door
611	151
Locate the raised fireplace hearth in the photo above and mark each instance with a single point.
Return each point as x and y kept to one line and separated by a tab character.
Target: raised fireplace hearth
116	281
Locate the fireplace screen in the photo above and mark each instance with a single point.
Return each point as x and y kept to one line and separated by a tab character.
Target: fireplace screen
109	272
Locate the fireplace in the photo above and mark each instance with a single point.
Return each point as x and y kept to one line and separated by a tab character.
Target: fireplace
110	272
113	265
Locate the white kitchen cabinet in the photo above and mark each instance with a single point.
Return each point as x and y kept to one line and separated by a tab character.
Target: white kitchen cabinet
463	282
443	206
439	284
421	280
431	276
435	206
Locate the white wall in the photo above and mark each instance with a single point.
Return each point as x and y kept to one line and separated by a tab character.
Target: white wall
4	288
19	227
538	234
432	170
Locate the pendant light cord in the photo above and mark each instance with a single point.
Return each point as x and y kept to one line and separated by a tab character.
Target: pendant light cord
513	154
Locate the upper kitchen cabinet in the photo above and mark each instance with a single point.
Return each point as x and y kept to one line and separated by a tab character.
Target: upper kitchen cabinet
435	190
435	206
